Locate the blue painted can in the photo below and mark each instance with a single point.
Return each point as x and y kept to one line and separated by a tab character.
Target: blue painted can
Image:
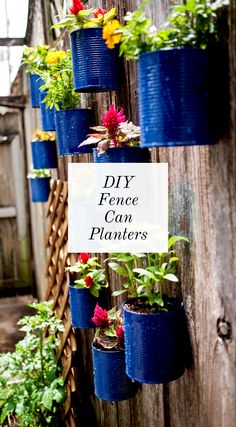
40	189
82	305
110	380
72	128
122	155
35	82
154	345
47	114
173	97
44	154
96	68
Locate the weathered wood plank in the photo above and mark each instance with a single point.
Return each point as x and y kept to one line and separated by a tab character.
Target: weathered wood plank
12	41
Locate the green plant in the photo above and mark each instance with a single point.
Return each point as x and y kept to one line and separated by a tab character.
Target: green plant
58	82
115	132
146	274
109	333
31	390
35	58
39	173
90	276
192	24
80	17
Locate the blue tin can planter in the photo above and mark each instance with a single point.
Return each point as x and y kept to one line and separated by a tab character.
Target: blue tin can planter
72	127
82	305
47	115
40	189
154	345
44	154
173	97
110	380
122	155
96	68
35	83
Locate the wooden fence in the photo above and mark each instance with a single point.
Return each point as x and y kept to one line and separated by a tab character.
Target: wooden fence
202	200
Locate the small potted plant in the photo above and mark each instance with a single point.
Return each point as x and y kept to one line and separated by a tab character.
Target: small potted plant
117	140
95	67
173	72
72	123
153	320
44	151
34	59
40	185
84	291
110	380
53	57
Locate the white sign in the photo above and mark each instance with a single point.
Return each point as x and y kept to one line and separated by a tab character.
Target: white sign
118	207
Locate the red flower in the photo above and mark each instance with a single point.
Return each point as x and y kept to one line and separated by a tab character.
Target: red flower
100	318
100	11
76	7
83	257
88	281
120	333
112	119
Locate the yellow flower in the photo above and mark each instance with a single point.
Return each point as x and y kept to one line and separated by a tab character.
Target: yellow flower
55	57
61	54
109	35
52	58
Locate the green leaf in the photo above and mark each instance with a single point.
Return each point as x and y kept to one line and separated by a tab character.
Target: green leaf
117	293
94	291
140	288
109	15
47	398
110	332
174	239
171	277
118	269
143	272
63	23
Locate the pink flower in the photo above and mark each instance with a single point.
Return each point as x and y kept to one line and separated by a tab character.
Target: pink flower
120	333
100	318
83	257
100	11
112	119
76	7
88	281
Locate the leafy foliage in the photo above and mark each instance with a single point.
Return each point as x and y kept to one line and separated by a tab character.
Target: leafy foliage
30	388
59	84
35	58
86	18
192	24
116	132
39	173
91	276
145	274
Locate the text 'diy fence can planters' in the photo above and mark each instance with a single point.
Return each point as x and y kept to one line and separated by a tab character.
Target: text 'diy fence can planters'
173	97
96	68
122	155
110	380
40	189
72	127
82	305
154	345
35	83
44	154
47	114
